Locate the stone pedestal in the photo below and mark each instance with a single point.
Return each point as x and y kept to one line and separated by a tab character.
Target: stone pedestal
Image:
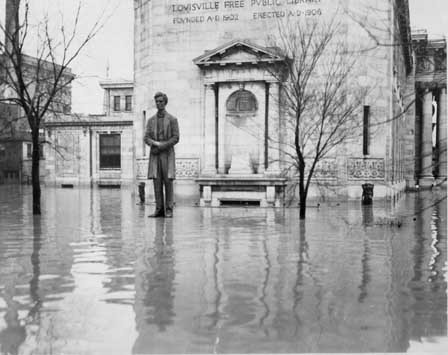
240	164
268	192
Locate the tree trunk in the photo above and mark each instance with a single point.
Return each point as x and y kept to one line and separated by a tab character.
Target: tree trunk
35	178
303	192
302	209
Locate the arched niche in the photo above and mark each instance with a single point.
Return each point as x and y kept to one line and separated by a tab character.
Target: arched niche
244	130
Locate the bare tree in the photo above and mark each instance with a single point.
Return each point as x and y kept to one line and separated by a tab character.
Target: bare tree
321	101
39	84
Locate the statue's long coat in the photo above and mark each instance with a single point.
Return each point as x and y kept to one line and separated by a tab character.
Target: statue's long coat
169	139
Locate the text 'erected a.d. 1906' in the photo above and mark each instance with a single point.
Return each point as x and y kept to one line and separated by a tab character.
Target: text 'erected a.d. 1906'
191	12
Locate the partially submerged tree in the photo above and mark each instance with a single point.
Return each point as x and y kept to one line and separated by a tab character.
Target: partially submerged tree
322	97
38	84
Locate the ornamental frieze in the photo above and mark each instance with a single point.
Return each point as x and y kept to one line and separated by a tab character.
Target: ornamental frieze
186	168
365	169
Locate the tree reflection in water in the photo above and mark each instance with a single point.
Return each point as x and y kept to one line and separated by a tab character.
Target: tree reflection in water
234	280
14	335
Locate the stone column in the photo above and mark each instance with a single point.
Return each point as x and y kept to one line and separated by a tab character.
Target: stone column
442	136
274	130
209	155
426	178
221	134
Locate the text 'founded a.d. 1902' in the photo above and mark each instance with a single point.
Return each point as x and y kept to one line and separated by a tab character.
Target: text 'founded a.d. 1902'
235	10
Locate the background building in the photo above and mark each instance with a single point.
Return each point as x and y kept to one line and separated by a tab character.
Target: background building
430	113
94	149
15	132
204	76
219	86
37	79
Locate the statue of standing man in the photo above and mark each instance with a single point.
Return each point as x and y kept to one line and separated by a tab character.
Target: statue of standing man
162	133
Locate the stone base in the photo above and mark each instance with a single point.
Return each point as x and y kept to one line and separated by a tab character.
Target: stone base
426	182
217	190
411	184
441	182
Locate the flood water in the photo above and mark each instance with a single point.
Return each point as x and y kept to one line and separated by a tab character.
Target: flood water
94	275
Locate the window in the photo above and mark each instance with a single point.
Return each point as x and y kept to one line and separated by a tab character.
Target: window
128	103
242	101
110	151
366	130
29	151
116	103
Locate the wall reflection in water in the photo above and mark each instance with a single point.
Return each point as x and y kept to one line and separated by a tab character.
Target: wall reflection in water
428	283
13	336
52	279
266	282
94	275
113	222
34	271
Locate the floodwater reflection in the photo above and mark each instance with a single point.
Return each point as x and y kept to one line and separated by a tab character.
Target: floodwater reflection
14	335
94	275
156	273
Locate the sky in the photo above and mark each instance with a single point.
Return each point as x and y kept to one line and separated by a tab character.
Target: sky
431	15
111	48
110	53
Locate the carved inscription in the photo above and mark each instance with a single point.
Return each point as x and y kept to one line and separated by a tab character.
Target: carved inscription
197	12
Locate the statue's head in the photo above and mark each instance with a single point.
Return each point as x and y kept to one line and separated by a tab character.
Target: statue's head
161	100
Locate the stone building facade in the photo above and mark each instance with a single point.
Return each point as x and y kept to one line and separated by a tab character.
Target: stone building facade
431	112
208	55
38	75
15	132
94	149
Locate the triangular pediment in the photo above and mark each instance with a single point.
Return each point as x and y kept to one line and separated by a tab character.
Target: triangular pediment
239	52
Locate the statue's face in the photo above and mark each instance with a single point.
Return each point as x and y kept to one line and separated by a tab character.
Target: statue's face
160	103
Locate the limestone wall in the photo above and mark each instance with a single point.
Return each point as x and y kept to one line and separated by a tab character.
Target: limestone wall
73	157
170	34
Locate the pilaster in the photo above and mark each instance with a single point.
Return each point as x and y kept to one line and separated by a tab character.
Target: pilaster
273	128
426	178
209	138
442	136
221	133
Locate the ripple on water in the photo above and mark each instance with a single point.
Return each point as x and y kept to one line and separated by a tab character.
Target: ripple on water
94	273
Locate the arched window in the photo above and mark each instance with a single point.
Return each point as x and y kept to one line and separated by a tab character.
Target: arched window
241	101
